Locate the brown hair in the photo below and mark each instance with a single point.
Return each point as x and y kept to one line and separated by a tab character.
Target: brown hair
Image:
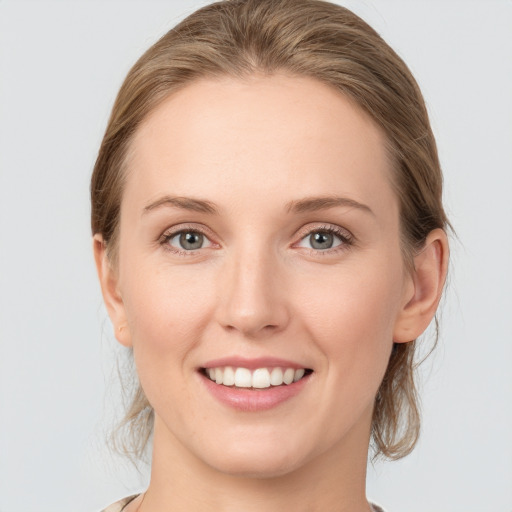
309	38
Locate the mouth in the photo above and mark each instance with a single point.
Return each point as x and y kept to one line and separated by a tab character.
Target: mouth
258	378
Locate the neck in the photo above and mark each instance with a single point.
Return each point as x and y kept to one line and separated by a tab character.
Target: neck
333	481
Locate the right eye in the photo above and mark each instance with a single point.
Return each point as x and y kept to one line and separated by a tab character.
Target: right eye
187	240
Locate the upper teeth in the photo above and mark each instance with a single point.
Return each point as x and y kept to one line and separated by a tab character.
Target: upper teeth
259	378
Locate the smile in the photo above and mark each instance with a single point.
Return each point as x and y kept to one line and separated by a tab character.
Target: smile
259	378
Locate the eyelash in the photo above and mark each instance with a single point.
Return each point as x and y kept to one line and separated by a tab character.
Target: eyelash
343	235
346	238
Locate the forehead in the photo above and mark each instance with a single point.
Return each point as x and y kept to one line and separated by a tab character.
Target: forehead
246	137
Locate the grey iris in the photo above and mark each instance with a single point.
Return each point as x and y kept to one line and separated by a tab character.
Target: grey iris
321	240
191	240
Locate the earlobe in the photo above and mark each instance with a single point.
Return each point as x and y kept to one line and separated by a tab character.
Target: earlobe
427	279
109	283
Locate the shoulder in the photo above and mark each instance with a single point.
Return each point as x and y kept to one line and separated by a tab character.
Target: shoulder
376	508
118	506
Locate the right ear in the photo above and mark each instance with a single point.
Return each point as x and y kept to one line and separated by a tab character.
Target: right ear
109	282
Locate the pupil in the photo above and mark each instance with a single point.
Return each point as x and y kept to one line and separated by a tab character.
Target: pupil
322	240
191	240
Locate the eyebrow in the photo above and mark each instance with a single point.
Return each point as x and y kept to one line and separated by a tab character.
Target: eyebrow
184	203
313	204
308	204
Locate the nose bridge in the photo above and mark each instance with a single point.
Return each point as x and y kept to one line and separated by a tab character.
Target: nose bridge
252	294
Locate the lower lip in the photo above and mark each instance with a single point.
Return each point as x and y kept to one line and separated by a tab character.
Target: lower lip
254	400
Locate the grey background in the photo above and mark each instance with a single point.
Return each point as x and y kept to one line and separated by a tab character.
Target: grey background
61	64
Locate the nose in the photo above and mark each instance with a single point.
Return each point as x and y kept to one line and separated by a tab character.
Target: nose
253	295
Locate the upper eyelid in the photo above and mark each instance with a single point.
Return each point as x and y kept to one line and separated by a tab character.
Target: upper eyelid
334	228
181	228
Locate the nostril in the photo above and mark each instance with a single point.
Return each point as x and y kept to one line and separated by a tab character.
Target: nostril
252	329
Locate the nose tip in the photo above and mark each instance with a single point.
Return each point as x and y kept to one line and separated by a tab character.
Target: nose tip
253	299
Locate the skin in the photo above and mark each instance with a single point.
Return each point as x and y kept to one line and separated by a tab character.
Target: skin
257	288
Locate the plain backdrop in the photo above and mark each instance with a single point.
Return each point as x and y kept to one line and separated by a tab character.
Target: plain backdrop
61	64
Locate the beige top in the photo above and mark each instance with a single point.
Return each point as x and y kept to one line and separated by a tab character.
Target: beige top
118	506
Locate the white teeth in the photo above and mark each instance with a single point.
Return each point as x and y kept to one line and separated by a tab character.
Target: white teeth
243	378
288	375
298	374
276	377
260	378
229	376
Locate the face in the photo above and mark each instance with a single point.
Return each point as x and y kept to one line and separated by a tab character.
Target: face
259	247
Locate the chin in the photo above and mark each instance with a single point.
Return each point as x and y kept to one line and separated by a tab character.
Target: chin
256	467
258	460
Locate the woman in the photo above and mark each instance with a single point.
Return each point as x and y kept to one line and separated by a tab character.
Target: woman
270	241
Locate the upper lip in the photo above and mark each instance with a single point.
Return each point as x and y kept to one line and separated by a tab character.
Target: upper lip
252	364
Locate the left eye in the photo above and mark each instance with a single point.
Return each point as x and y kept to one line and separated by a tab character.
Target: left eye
321	240
188	240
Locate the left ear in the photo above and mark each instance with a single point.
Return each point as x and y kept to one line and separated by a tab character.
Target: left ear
425	288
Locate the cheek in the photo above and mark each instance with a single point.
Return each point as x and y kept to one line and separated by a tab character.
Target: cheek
166	311
351	322
352	318
357	302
